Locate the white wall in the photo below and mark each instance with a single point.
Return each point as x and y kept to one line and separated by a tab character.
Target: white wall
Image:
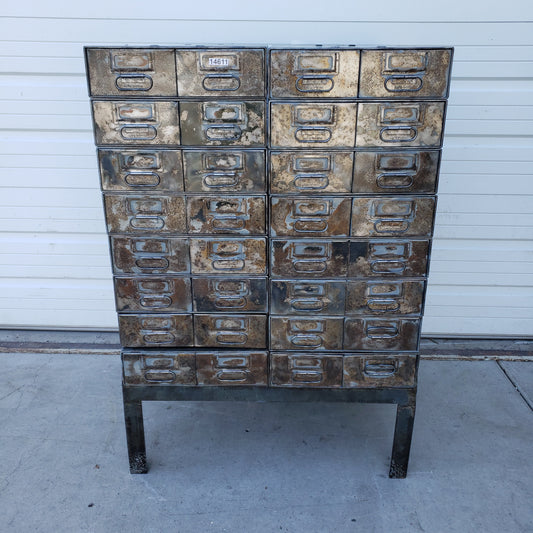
54	266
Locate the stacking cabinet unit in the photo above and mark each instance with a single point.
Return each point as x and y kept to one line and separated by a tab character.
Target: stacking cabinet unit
270	214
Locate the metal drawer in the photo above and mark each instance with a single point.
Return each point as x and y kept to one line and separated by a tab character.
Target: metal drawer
232	368
136	122
214	73
396	172
311	172
314	73
230	295
400	124
220	123
390	217
158	295
150	255
309	258
307	297
128	72
228	256
241	215
405	73
157	330
310	216
305	333
381	334
384	297
306	370
312	125
224	172
159	368
145	214
230	331
393	258
157	171
379	371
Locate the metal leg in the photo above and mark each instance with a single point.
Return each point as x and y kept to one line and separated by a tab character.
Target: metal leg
403	432
133	415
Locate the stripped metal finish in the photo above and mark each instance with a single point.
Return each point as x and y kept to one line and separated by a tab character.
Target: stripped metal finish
270	214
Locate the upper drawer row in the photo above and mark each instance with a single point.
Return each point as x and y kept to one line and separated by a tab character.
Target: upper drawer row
317	73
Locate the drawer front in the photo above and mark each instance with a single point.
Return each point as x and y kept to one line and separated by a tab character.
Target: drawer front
314	73
126	72
220	123
305	333
390	217
305	370
309	258
396	172
159	368
381	334
145	214
230	331
382	258
377	371
150	255
405	73
232	368
230	295
214	73
400	124
150	330
241	215
136	122
312	125
311	172
224	172
158	295
228	256
307	297
310	217
158	171
384	297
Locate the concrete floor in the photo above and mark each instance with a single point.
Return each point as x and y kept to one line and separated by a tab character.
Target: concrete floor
244	467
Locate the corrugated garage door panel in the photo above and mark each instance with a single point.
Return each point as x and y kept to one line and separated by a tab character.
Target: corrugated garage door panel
54	266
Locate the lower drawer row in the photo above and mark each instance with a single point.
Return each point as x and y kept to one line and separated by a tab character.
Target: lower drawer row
286	332
171	367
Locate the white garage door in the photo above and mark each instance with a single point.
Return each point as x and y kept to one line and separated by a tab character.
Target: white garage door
54	266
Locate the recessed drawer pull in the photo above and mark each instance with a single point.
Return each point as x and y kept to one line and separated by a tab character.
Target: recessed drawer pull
230	303
144	180
313	135
228	223
391	225
314	84
382	266
228	264
232	375
231	338
398	134
307	376
223	133
382	332
383	304
152	263
397	84
379	370
395	181
309	341
310	182
307	304
221	82
159	376
309	265
156	302
217	180
147	222
157	337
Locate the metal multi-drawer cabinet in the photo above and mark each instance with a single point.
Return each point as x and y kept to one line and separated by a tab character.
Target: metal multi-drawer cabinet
270	214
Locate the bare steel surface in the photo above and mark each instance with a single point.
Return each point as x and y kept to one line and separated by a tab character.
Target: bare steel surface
404	73
142	123
131	72
146	171
312	125
314	73
212	73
